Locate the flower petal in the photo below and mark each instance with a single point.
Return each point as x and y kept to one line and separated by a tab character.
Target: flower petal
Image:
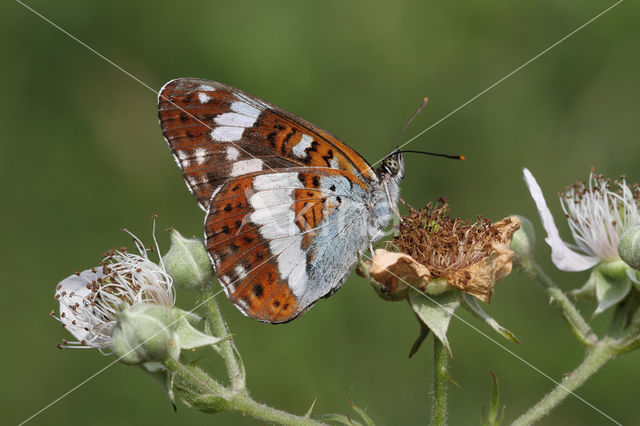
392	273
562	256
70	291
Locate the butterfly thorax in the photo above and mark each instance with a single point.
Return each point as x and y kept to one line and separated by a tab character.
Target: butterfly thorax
385	198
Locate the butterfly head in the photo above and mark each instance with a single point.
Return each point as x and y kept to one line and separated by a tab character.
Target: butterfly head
392	167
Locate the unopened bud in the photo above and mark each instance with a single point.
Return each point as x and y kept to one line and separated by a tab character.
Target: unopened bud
188	262
524	239
144	333
629	247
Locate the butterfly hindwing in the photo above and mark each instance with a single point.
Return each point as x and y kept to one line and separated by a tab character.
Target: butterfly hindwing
217	132
272	238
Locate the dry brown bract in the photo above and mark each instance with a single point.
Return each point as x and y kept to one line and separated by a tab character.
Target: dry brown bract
431	244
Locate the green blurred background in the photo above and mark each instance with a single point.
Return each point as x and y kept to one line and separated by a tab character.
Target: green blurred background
82	156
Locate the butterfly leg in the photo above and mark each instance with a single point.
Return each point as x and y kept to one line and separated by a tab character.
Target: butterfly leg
393	206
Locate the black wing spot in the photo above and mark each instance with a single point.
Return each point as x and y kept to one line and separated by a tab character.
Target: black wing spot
286	140
327	158
338	199
332	187
226	229
316	181
228	208
271	137
258	290
183	117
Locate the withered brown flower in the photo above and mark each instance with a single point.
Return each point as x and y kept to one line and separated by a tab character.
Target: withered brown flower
471	256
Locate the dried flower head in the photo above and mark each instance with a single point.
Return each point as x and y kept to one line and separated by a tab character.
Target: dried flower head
471	256
89	300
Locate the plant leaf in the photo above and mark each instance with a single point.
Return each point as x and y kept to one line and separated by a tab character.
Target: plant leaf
471	304
490	417
435	311
362	413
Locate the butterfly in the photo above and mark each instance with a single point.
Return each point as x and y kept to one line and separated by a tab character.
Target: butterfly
288	206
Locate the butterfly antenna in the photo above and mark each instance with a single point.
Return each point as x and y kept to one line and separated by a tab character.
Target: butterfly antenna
435	154
415	114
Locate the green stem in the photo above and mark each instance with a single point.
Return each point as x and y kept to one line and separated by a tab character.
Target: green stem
572	316
440	377
196	379
227	347
238	401
596	357
246	405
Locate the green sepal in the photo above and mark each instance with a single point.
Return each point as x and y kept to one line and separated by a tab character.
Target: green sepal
435	312
610	288
190	337
424	332
471	304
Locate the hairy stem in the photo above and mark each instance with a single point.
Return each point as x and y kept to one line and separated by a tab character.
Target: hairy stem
596	357
440	377
227	347
238	401
572	316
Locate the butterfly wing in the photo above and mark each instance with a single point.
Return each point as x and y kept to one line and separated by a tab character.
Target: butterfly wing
288	205
217	132
281	240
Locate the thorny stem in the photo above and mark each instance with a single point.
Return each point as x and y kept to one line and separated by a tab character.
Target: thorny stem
572	316
440	377
596	357
227	347
238	401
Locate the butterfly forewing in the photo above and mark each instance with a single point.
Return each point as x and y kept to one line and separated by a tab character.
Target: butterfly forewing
216	132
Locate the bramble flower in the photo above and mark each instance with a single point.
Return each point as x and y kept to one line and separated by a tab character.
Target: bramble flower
598	212
439	262
90	300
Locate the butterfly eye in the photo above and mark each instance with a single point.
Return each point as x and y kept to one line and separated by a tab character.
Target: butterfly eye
392	165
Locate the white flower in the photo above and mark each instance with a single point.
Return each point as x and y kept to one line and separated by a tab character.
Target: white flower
90	300
597	217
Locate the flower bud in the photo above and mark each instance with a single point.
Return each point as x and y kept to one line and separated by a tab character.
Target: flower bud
188	262
524	239
629	247
144	333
